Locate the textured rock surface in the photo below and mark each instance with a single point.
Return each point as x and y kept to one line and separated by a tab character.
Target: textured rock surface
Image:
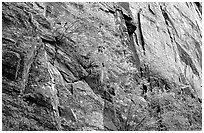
101	66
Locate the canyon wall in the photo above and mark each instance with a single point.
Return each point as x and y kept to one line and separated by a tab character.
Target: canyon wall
101	66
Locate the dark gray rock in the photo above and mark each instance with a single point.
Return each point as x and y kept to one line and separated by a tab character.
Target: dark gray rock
10	64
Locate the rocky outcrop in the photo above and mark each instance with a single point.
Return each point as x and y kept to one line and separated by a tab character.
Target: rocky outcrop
101	66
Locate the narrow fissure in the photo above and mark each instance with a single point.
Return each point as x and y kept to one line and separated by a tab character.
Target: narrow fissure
149	7
131	27
167	20
140	31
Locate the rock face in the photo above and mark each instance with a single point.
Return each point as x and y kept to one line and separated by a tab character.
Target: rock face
101	66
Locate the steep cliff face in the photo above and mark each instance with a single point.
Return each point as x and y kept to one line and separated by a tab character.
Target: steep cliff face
172	40
101	66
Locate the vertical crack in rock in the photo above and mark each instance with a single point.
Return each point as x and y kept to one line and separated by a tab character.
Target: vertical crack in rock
168	20
140	31
131	27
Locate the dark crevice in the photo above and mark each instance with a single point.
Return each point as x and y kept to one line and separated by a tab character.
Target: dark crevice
108	10
187	4
171	38
55	54
39	5
165	15
167	20
140	31
5	40
127	17
199	6
38	99
149	7
47	39
64	76
131	27
111	11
